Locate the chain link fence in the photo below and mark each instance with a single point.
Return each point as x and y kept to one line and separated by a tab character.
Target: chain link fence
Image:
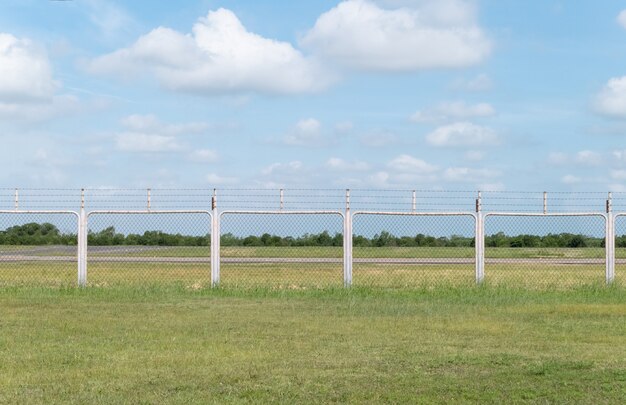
412	250
557	250
291	239
38	249
149	248
281	249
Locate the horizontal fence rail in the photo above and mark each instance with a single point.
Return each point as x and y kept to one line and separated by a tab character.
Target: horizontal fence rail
311	238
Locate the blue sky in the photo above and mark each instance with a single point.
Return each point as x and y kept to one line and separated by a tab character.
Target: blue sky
441	94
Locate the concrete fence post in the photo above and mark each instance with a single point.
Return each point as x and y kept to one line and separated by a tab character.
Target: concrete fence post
82	242
479	241
215	241
347	243
609	241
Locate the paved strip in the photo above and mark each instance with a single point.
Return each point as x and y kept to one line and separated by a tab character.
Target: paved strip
407	261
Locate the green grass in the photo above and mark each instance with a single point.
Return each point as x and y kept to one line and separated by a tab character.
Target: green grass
177	345
305	275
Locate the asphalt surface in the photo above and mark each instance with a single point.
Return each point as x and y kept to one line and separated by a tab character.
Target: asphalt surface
401	261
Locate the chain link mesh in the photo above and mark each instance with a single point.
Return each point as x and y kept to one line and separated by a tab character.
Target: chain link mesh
413	250
547	251
280	250
283	251
38	249
144	249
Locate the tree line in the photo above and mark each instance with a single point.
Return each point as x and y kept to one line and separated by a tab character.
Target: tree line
49	234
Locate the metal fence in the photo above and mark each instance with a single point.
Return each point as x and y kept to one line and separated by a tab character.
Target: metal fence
290	239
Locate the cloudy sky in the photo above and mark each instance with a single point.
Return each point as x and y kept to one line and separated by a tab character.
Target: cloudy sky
426	94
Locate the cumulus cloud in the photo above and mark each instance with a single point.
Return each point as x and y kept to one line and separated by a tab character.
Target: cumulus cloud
306	132
462	134
618	175
410	164
589	158
570	179
466	174
25	72
220	56
337	164
203	156
138	142
36	112
216	179
611	100
278	168
474	155
151	123
417	35
557	158
452	111
621	18
146	133
482	82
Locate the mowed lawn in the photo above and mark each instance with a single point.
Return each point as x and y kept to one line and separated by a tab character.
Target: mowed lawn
180	345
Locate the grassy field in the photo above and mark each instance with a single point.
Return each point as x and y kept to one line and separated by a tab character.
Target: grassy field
311	275
176	345
305	275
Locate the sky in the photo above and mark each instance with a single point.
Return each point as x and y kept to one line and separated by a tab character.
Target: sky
493	95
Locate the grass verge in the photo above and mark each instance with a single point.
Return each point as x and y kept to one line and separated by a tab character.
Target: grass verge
178	345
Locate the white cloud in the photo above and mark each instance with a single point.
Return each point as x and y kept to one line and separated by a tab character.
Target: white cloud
452	111
462	134
337	164
590	158
344	127
139	142
621	18
557	158
275	168
146	133
431	34
379	179
482	82
25	72
407	163
491	187
204	156
474	155
37	112
220	56
618	188
306	132
215	179
611	100
465	174
570	179
619	155
618	175
150	123
109	17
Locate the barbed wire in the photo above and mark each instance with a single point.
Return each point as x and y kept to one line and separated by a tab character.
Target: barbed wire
305	198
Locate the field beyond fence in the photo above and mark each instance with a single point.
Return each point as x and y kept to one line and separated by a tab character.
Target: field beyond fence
311	239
